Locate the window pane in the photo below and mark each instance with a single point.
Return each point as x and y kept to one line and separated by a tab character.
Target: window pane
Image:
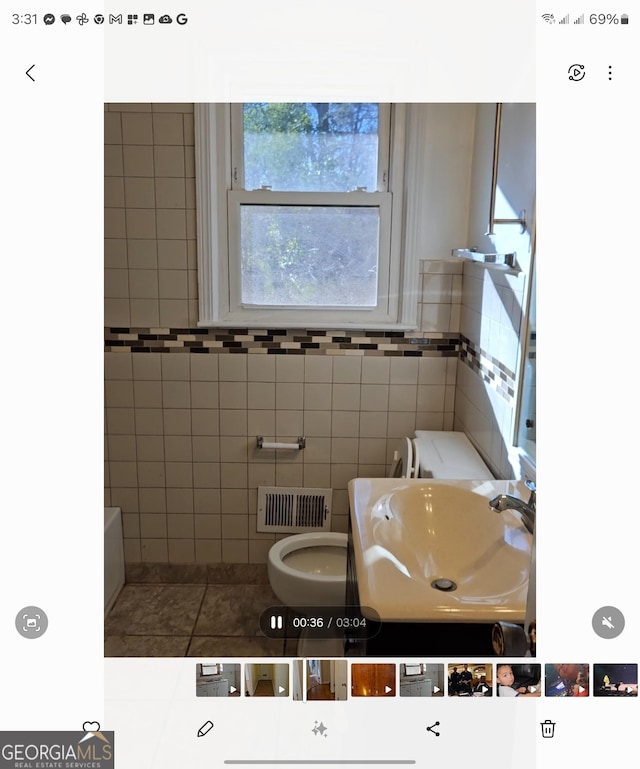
309	255
311	147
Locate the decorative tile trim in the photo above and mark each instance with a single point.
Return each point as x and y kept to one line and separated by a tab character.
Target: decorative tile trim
489	369
314	342
281	342
531	352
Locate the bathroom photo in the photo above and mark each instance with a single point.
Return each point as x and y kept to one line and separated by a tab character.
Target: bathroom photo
320	352
421	679
217	679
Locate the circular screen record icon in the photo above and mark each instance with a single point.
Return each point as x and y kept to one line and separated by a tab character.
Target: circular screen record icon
576	72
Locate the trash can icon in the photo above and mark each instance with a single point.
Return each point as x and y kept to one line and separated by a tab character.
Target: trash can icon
548	728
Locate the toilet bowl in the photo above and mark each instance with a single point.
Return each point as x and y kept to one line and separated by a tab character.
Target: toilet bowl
309	569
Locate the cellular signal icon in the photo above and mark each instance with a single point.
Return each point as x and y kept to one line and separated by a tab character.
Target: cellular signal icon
579	20
549	18
564	20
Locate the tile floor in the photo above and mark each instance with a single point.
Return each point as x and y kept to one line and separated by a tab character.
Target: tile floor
208	619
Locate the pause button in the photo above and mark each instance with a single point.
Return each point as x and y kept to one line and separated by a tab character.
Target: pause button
277	622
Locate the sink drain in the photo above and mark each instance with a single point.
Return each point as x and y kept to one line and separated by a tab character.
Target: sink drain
446	585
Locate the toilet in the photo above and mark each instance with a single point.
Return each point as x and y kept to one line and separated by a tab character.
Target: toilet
311	569
307	570
447	455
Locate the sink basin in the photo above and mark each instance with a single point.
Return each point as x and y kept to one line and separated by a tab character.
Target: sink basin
433	551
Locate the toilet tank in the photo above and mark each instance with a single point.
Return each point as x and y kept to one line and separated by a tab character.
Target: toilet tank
449	455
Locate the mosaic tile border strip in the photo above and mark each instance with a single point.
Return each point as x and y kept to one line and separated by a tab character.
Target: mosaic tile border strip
489	369
280	341
286	342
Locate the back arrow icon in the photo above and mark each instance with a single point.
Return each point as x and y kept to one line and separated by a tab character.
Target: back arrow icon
28	71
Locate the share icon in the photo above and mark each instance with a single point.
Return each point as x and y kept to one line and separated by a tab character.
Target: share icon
432	728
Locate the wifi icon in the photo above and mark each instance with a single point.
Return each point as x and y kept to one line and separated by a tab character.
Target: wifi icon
549	18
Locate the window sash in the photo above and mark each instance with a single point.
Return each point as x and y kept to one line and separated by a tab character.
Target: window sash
237	147
385	308
380	201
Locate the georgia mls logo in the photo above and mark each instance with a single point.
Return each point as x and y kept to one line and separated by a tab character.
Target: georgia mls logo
90	749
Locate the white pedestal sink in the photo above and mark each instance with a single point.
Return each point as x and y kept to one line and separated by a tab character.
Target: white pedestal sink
433	551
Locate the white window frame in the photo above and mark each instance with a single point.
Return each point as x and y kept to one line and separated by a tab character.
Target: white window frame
217	173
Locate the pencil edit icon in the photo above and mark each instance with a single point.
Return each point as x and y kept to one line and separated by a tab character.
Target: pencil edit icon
206	727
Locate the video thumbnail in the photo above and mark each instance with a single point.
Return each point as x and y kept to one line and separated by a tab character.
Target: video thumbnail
421	679
326	680
518	680
566	680
369	680
215	679
615	680
266	680
470	679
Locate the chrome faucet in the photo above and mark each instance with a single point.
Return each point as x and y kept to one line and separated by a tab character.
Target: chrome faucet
526	509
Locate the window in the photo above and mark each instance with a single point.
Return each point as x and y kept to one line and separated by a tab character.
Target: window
300	212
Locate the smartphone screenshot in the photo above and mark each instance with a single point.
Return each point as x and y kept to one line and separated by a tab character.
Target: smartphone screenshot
314	302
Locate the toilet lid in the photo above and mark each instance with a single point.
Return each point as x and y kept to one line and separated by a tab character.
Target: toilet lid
403	463
449	455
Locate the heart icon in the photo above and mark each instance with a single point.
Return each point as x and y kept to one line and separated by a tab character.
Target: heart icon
91	726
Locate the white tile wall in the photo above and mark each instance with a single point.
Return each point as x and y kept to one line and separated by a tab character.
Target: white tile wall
440	302
491	317
492	301
180	428
150	250
181	448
